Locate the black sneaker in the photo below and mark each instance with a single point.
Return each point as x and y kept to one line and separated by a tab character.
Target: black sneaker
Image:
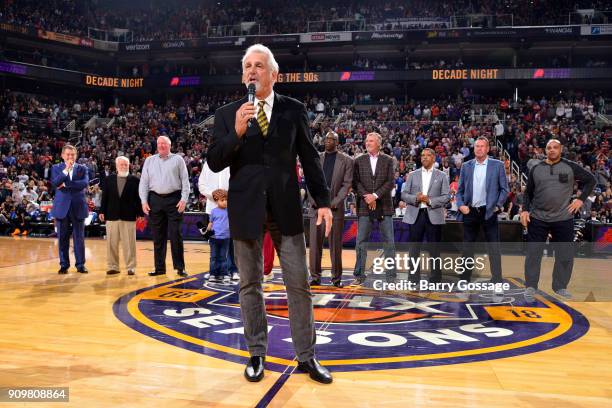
157	273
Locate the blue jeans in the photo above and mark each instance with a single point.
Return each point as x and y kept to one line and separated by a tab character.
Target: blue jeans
219	250
364	228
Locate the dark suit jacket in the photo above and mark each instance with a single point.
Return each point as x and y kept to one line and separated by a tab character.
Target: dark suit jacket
381	183
126	207
341	183
72	196
262	170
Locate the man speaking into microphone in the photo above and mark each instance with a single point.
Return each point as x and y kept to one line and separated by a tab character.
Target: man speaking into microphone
260	141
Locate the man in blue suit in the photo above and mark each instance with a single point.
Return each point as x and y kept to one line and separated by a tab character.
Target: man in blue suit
70	207
481	194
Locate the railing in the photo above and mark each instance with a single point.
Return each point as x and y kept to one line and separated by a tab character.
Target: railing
335	25
589	17
318	119
244	28
482	20
71	126
91	123
515	169
339	118
113	35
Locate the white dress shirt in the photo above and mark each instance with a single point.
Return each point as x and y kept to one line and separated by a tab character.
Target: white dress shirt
425	181
373	161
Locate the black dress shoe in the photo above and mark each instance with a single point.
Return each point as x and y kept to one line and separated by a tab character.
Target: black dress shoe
254	370
82	270
112	272
62	271
181	272
315	282
316	370
157	273
338	284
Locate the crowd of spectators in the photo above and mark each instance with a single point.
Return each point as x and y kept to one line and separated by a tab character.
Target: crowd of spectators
191	19
31	139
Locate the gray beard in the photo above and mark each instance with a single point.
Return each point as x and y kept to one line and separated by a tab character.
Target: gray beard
123	173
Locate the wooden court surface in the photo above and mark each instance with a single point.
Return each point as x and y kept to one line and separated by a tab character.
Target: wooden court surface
60	331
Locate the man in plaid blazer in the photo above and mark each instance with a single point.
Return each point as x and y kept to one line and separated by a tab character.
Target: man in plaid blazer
373	180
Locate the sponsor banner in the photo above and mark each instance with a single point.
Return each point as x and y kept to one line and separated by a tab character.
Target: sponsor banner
181	81
326	37
179	44
162	45
385	35
605	29
279	39
12	68
17	29
135	47
227	41
65	38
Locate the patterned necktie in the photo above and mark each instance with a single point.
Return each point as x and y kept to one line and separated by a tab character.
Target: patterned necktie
262	119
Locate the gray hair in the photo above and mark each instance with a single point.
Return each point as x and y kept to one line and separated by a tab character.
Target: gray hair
554	141
332	134
166	138
119	158
377	135
263	50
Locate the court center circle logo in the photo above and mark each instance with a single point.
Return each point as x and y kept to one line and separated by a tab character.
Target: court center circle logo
357	328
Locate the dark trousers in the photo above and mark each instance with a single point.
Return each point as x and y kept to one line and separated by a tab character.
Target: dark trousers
78	240
473	222
231	264
219	256
335	245
424	229
562	233
165	222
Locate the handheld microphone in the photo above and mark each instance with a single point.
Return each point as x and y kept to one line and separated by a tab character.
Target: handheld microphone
251	96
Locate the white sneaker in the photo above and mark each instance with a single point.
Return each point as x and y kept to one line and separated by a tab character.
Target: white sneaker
235	276
269	277
227	280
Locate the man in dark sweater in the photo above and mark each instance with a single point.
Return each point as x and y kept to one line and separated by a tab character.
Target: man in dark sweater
120	208
548	210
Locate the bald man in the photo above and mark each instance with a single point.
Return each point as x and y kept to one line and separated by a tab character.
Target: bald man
163	191
549	209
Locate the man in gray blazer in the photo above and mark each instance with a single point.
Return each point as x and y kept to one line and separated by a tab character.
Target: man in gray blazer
338	170
426	193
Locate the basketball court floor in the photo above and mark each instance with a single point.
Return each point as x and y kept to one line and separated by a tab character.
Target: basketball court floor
140	341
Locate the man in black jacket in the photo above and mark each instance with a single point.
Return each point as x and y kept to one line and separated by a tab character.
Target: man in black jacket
120	208
260	142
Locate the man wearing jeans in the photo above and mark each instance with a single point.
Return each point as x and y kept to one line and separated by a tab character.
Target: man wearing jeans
549	209
373	181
